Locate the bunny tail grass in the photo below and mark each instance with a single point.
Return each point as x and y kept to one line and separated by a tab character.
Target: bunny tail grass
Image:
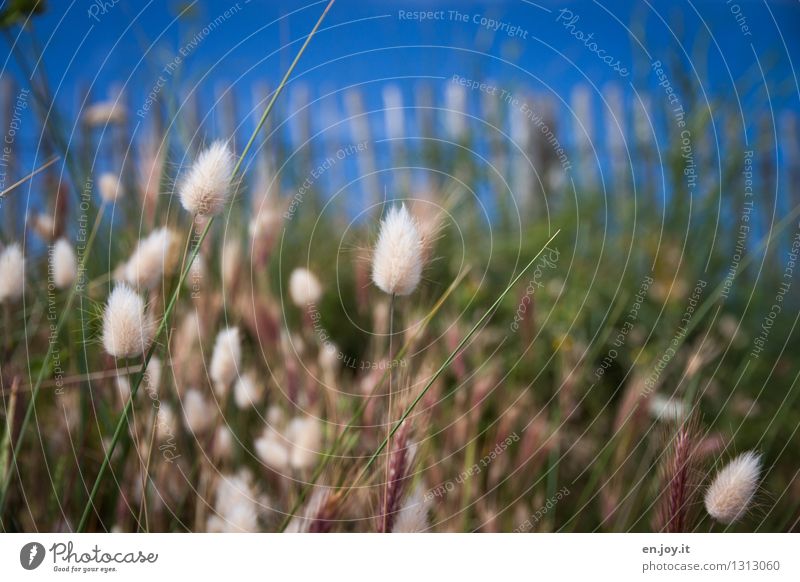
184	273
448	361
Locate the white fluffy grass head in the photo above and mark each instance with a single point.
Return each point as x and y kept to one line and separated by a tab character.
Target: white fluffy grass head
272	449
665	408
329	357
12	270
397	258
109	187
225	360
304	287
223	442
413	514
152	377
127	329
197	412
247	391
64	264
166	426
265	225
45	226
305	435
231	264
155	256
732	490
104	113
237	504
123	388
206	188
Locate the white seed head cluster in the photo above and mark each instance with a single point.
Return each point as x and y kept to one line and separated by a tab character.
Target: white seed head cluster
206	188
223	442
305	435
156	255
197	412
123	388
247	391
45	226
397	258
237	504
127	329
304	287
265	225
64	264
297	446
272	449
166	427
12	270
231	263
109	187
329	358
665	408
225	360
152	377
413	514
732	490
104	113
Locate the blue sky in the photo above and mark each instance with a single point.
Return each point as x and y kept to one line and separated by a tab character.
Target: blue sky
740	52
365	39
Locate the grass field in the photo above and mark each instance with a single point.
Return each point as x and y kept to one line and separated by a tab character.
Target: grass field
558	331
